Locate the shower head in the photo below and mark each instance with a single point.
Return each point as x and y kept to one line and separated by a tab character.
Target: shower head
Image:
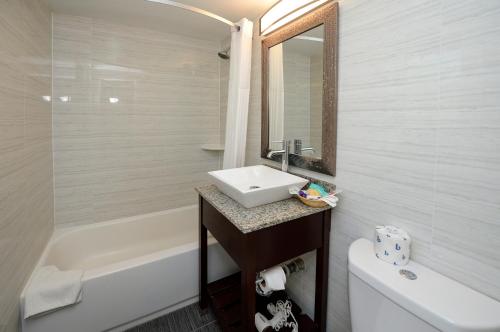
224	54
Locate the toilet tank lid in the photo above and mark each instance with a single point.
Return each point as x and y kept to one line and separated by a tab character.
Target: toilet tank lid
434	298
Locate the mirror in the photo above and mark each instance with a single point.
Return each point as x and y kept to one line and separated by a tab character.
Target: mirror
296	93
299	92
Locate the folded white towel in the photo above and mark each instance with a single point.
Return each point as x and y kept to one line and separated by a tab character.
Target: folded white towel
51	289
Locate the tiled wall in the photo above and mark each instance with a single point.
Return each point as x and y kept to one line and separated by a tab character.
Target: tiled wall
26	195
418	138
141	154
224	88
296	83
316	106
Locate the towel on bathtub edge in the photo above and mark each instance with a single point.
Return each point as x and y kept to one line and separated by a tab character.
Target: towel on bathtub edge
51	289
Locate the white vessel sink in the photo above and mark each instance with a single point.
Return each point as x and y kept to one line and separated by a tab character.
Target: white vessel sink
256	185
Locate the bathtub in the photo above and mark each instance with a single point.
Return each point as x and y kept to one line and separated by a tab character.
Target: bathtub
135	269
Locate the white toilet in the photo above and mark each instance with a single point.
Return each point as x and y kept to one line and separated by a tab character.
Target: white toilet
384	298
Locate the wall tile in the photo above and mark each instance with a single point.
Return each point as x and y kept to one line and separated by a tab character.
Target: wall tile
418	137
143	153
466	226
26	187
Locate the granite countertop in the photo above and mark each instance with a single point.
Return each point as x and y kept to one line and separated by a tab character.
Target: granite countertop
259	217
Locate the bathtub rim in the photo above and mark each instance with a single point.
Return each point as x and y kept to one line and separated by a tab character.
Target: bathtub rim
64	231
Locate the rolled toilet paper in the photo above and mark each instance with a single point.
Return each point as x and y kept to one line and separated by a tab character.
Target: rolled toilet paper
274	278
392	245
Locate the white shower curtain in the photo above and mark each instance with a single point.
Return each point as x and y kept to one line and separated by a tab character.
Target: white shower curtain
276	97
238	95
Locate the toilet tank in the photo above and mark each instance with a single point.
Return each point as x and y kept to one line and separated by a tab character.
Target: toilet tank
388	298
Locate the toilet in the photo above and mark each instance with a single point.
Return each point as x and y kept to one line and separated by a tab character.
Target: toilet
412	298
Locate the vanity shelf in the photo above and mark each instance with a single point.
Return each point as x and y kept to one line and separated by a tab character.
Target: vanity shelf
256	239
225	299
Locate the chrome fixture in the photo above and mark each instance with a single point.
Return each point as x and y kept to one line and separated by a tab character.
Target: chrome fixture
225	55
198	11
285	154
298	149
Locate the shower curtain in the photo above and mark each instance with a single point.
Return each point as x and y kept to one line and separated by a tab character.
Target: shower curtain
238	95
276	97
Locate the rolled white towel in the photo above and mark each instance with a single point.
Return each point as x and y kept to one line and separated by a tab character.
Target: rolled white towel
52	289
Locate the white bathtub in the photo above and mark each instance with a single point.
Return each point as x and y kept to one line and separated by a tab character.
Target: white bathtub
136	269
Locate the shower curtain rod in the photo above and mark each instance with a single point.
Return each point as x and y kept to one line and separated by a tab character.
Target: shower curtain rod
196	10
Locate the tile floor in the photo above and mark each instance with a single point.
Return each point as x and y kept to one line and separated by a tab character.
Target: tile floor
188	319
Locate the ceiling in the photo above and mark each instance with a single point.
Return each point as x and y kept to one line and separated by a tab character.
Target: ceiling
167	18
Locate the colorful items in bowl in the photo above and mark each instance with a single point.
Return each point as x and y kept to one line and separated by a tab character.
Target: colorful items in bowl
315	195
313	192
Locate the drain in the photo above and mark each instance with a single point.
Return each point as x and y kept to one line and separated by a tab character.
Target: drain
253	187
408	274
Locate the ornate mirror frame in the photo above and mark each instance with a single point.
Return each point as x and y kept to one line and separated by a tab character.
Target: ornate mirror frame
326	15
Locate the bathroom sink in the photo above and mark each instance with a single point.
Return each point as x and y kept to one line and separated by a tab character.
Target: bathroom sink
256	185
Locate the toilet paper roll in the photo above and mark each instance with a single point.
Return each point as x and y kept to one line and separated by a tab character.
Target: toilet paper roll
392	245
274	278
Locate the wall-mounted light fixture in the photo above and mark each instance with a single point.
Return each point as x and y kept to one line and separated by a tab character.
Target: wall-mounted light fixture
114	100
286	11
309	38
65	99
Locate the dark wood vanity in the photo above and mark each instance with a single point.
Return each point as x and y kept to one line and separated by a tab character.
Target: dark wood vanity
263	244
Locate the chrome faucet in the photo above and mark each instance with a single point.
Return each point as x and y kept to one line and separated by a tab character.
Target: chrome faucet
285	153
298	149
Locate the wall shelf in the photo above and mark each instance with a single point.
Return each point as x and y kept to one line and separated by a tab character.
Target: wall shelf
213	147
